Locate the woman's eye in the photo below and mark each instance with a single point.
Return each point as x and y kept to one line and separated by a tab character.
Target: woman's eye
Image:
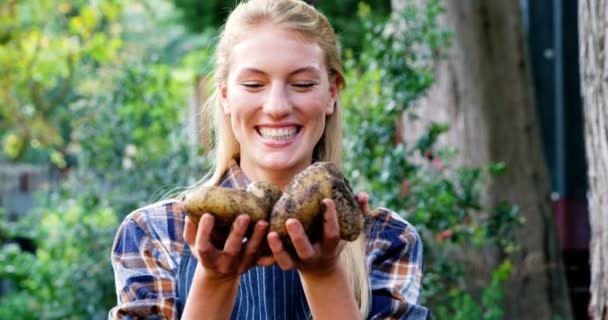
252	85
304	84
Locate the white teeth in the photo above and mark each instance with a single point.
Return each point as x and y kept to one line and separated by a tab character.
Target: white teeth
278	133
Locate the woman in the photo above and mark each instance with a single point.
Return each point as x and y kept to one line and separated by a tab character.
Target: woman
275	111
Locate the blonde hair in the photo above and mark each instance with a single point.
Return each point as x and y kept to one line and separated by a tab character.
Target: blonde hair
293	15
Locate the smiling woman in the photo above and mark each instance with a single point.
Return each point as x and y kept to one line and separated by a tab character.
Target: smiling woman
275	112
277	101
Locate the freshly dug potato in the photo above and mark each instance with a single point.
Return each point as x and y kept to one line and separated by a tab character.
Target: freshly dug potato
302	198
225	204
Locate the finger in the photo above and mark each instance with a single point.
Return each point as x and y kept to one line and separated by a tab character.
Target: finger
253	245
206	251
266	261
234	243
331	228
363	200
259	234
190	229
299	239
281	256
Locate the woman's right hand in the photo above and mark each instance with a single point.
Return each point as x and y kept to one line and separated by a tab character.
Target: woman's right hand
215	281
236	256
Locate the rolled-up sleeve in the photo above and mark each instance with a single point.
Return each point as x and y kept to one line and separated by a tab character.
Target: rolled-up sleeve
396	264
144	267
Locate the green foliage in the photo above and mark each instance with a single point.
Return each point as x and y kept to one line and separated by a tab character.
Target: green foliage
349	30
419	181
47	47
462	306
67	276
199	16
394	69
127	146
132	138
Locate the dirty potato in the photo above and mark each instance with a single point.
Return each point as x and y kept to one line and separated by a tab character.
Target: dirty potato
302	198
226	204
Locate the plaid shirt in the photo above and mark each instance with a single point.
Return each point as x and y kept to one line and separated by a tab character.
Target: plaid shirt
148	245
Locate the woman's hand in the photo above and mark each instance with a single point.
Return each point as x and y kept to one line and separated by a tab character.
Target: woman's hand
216	279
314	259
319	265
235	257
318	258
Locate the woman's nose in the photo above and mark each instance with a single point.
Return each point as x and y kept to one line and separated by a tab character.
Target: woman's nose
277	103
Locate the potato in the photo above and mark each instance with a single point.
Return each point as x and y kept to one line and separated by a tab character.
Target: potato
302	198
226	204
263	201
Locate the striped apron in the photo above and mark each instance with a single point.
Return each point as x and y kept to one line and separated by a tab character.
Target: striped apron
264	292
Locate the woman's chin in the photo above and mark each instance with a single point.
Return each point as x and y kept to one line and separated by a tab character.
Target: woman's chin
285	162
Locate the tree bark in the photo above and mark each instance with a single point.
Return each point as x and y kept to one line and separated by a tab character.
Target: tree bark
594	86
484	91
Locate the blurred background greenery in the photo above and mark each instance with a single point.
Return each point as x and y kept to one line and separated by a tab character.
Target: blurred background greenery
104	95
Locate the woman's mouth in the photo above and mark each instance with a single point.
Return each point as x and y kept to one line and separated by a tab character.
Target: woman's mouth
278	134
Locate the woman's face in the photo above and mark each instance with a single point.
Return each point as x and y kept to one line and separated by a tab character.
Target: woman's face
277	93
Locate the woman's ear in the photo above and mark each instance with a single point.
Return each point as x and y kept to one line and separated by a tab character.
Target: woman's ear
223	91
335	83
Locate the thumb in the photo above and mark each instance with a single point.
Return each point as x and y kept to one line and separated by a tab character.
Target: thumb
363	200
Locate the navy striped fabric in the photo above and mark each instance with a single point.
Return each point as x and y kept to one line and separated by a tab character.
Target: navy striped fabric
264	292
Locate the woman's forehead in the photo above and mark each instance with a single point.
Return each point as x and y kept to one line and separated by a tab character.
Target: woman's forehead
274	33
276	48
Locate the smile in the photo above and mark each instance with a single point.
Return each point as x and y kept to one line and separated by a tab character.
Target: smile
284	133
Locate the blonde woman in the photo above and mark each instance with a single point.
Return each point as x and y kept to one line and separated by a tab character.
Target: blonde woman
275	111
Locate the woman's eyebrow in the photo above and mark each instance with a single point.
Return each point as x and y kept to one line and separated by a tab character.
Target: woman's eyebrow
245	71
308	69
254	71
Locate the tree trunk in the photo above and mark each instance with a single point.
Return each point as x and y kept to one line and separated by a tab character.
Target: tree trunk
484	91
594	83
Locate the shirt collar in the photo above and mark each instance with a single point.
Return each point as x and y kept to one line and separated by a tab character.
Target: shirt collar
234	177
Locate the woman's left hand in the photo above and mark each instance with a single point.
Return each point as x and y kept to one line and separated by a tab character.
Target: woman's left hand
313	259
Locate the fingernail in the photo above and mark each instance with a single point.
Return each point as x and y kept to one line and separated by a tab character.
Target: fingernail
273	242
290	224
290	227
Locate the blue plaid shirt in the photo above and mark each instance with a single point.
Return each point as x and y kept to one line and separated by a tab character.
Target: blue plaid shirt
149	248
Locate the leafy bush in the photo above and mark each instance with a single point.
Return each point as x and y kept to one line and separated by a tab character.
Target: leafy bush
128	146
199	16
47	49
419	181
462	306
133	148
68	275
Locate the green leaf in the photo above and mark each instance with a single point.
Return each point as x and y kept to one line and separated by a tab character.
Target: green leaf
497	168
